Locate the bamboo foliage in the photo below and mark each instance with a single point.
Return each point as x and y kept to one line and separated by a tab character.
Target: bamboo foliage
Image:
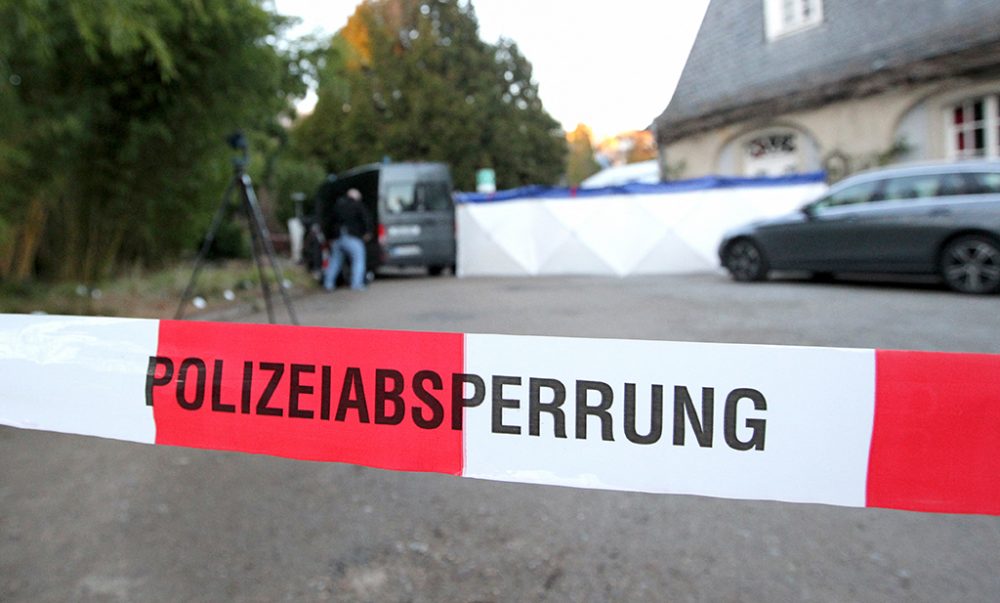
115	114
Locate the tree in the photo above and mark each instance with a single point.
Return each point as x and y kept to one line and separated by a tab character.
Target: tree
114	154
581	163
641	147
412	80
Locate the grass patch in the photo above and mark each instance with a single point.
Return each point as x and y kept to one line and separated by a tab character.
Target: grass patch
153	294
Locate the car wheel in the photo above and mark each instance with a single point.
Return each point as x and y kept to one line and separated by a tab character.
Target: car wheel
971	264
745	261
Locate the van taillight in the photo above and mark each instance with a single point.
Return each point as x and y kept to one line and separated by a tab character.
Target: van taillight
381	234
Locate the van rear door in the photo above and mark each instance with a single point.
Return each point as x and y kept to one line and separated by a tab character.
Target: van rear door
417	217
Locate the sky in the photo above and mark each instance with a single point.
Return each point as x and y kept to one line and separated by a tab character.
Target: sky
612	65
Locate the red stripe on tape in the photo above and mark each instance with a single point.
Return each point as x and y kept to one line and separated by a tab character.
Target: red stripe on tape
936	439
375	398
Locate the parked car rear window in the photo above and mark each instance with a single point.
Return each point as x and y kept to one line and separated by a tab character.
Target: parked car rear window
986	183
913	187
954	184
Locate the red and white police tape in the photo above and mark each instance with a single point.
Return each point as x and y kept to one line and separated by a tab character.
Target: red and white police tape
902	430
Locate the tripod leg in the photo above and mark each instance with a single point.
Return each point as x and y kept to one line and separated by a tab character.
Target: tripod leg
220	214
258	217
256	245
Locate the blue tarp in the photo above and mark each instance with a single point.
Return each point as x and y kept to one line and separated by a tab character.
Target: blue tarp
674	186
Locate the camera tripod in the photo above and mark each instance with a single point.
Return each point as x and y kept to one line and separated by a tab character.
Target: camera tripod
260	243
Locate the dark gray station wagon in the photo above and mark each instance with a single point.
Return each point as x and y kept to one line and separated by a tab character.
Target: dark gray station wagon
941	219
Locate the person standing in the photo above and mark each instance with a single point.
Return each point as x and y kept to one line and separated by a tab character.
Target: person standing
349	228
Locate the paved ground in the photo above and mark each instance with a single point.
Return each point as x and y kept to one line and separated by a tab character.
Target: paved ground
90	520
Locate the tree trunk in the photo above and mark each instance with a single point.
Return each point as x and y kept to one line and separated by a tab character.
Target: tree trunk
18	255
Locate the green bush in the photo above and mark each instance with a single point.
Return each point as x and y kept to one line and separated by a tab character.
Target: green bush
232	241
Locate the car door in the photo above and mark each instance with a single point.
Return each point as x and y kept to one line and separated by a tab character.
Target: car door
825	237
902	230
896	228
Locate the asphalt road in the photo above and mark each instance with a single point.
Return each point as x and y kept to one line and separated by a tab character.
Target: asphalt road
83	519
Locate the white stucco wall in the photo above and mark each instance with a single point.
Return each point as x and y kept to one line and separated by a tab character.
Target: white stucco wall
859	129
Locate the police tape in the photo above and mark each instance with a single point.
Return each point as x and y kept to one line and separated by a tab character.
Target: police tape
861	428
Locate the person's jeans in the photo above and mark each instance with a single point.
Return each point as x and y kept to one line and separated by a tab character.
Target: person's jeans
355	249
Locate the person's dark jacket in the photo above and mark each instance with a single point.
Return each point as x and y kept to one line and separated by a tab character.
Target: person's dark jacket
346	212
325	202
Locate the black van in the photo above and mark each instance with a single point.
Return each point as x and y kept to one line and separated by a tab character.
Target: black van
411	207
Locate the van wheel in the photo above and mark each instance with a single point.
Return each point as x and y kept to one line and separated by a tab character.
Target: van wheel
435	270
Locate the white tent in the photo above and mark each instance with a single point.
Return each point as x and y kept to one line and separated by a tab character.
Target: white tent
644	172
659	230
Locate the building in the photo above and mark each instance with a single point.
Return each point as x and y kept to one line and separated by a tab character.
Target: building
625	148
783	86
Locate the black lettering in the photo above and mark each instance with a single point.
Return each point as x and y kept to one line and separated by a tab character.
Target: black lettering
324	395
500	403
757	426
458	400
600	411
435	406
536	406
353	383
152	380
655	415
199	385
247	387
296	388
394	395
703	426
217	405
277	370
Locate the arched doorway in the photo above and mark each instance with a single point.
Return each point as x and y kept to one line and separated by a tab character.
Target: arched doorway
771	151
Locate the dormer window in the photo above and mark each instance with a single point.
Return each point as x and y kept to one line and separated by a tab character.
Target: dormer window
784	17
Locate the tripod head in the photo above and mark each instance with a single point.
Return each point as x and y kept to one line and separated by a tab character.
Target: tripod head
238	142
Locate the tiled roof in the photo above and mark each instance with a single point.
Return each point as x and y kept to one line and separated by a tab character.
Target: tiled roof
733	71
